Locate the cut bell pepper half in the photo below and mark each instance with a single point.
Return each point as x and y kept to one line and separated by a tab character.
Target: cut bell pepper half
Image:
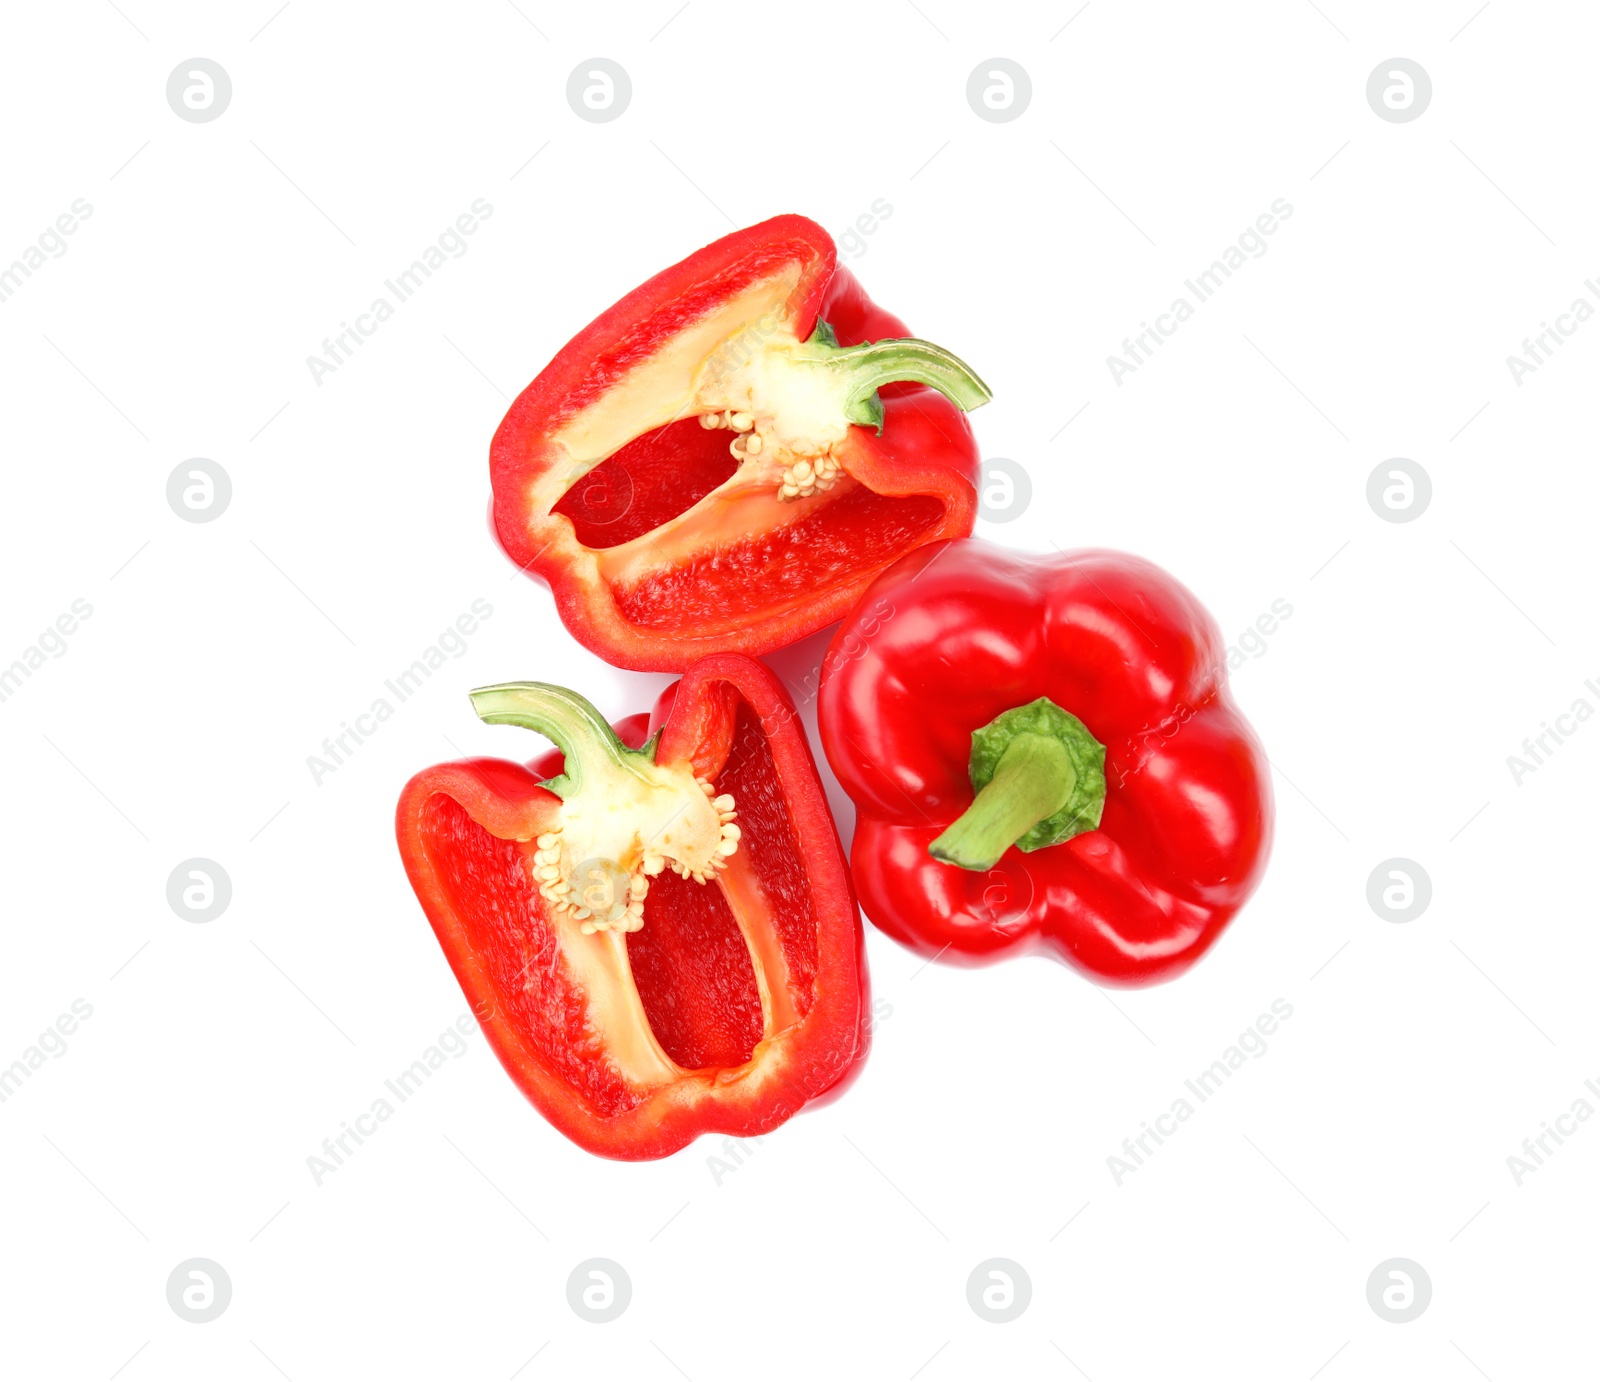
727	457
654	923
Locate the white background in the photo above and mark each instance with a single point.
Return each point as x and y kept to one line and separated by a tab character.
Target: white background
178	721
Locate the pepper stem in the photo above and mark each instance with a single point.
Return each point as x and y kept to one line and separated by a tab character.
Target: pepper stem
1038	776
869	366
568	721
1033	780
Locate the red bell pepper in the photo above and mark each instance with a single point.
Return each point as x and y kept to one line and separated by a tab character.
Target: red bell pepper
709	465
658	937
1044	755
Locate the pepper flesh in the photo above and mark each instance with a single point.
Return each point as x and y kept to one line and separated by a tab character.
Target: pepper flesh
721	462
728	1000
954	636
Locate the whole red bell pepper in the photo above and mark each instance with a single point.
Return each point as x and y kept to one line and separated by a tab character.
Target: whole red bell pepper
1044	755
709	466
658	937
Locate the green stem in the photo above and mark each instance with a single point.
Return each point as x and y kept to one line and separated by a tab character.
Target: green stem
869	366
1033	780
567	720
1038	778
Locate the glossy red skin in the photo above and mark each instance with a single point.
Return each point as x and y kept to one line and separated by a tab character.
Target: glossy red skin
949	638
829	1043
927	446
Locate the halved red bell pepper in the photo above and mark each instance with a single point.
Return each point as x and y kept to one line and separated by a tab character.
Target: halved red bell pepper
709	465
1044	755
658	937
